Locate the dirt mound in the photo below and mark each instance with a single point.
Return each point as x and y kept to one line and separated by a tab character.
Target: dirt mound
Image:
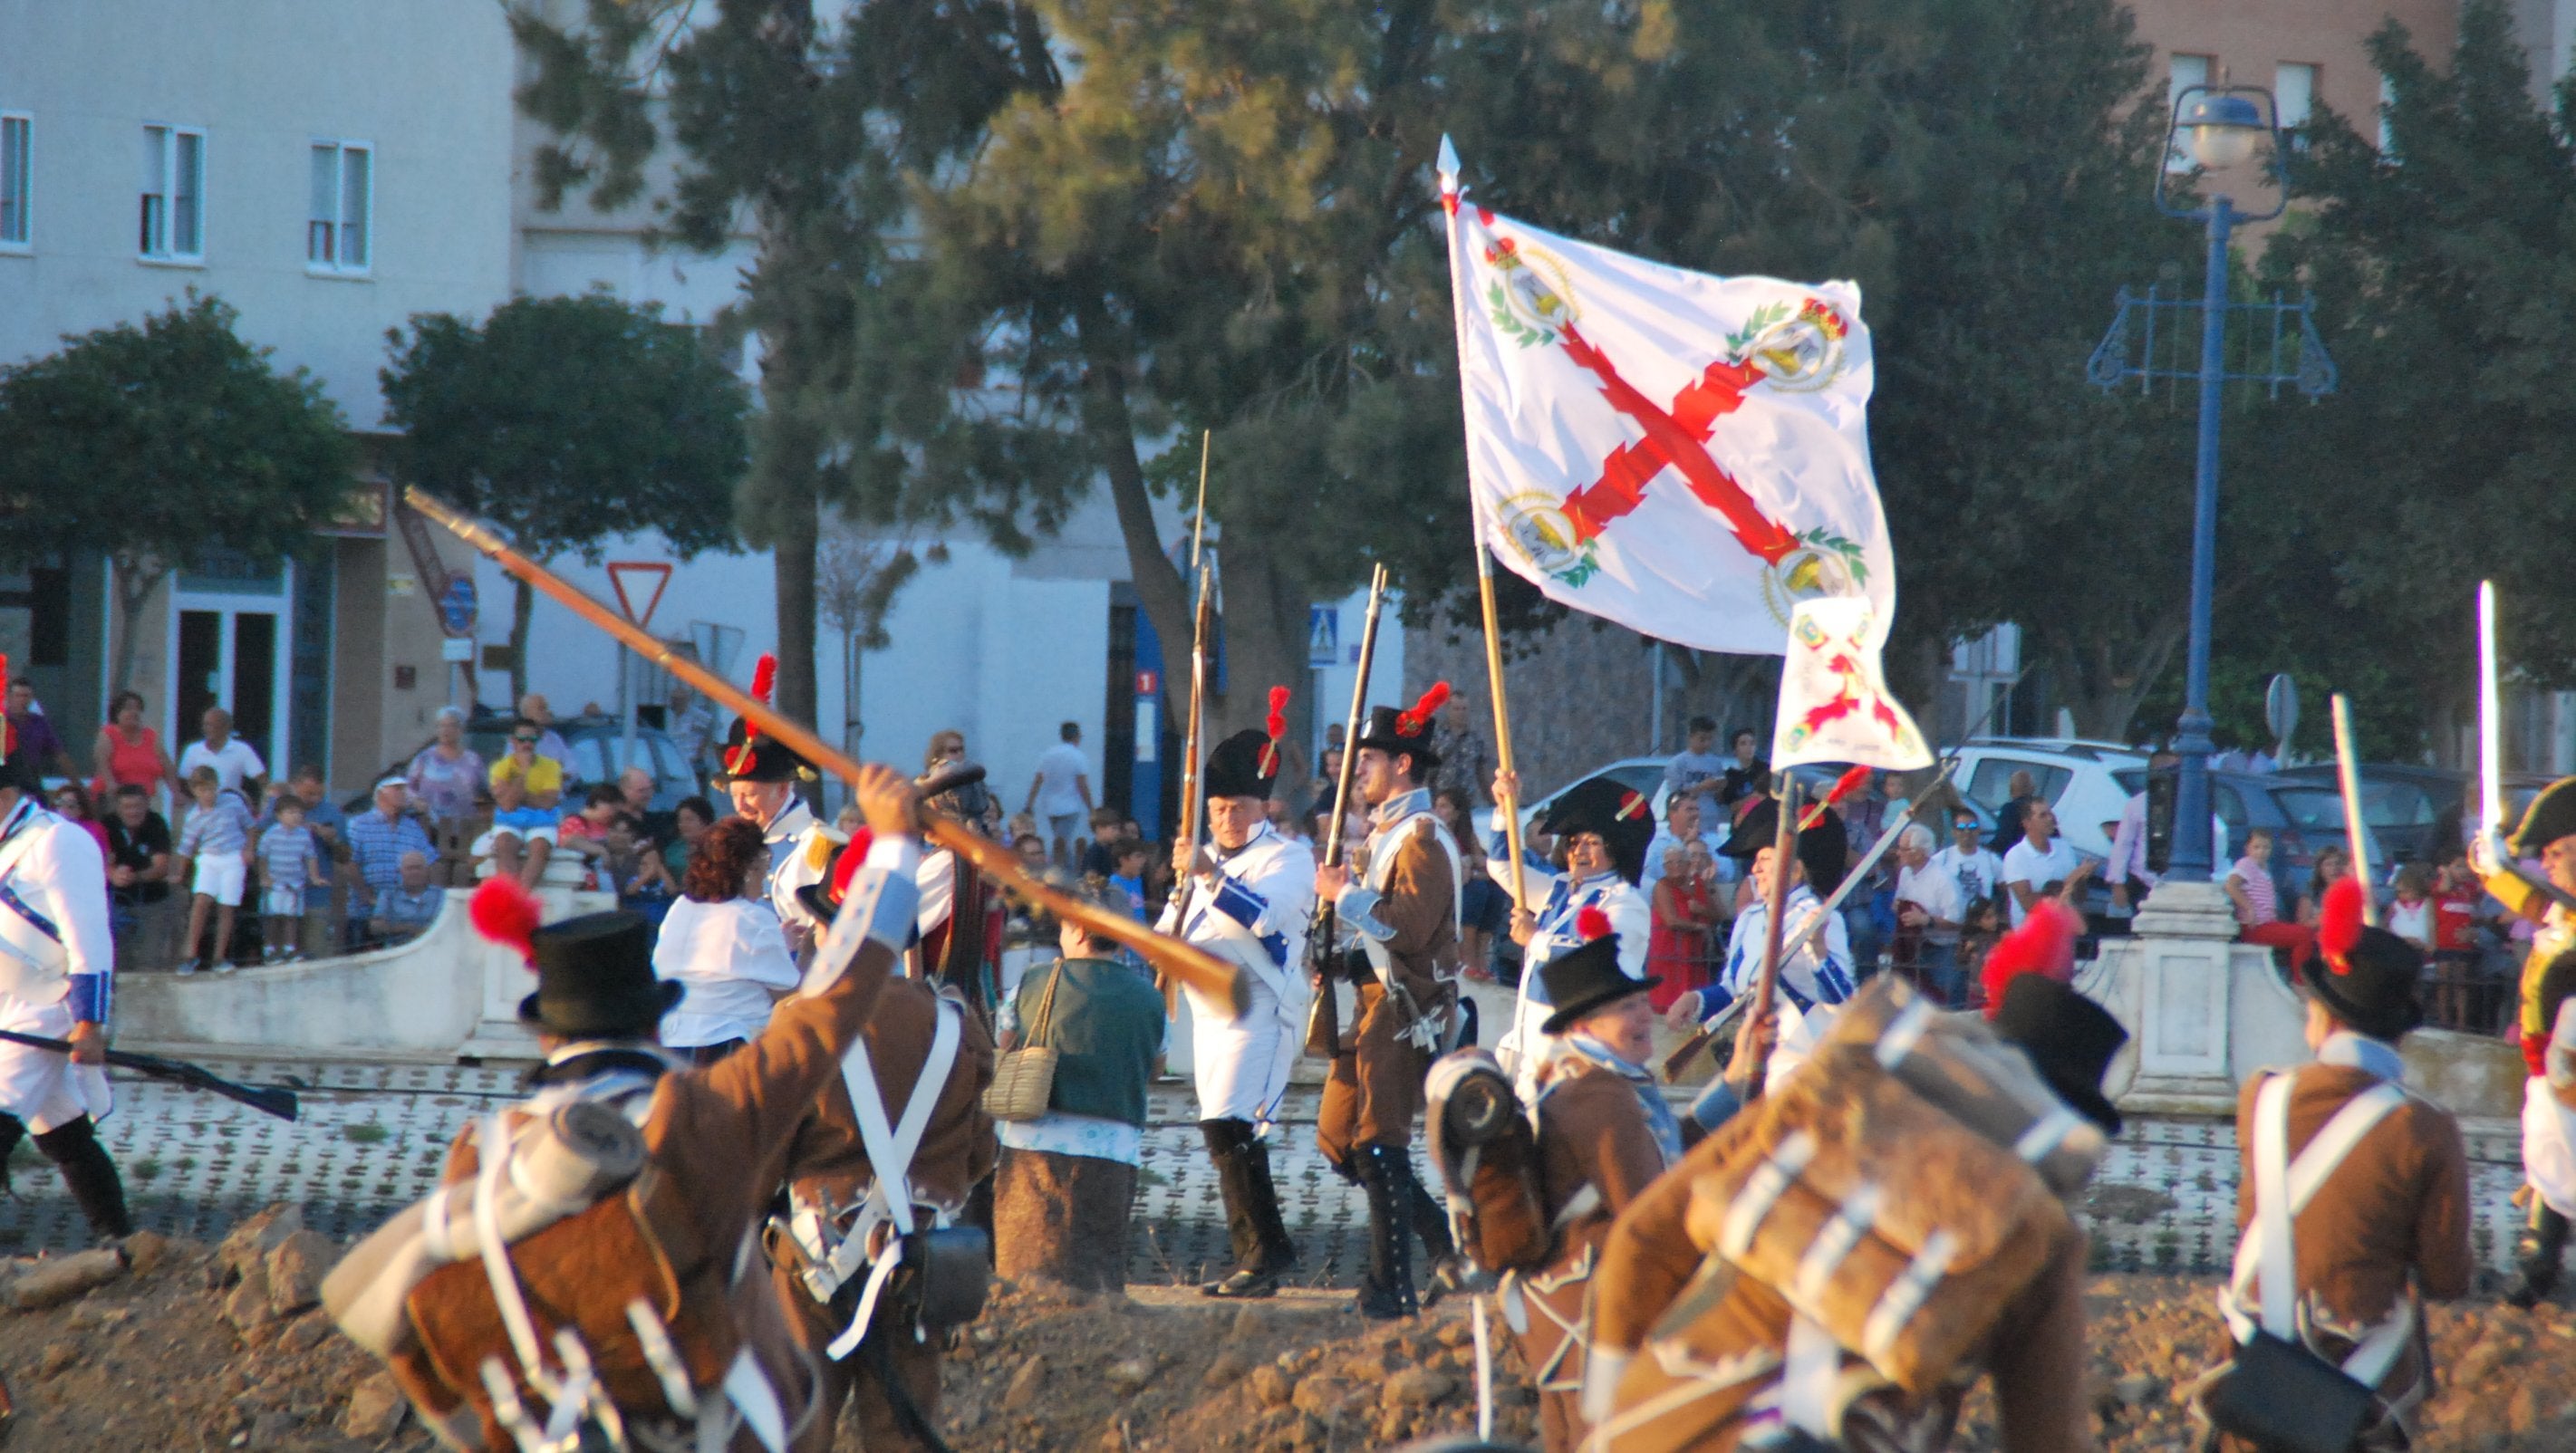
197	1347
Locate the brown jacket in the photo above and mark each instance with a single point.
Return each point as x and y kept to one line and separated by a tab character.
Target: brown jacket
716	1143
2398	1203
2035	1355
1375	1087
1420	903
828	1162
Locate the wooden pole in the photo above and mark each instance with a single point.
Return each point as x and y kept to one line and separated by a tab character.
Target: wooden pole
1507	804
1784	856
1202	623
1187	962
1323	1023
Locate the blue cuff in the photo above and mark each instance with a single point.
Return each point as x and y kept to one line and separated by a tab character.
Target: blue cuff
1358	911
1713	1001
88	998
1716	1105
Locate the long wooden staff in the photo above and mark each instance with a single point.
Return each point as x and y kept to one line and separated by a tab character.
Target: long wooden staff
1193	966
1784	855
1202	623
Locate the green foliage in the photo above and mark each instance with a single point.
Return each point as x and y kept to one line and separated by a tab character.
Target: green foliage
2444	284
159	443
568	420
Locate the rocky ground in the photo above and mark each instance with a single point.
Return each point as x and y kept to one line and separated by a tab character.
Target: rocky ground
199	1347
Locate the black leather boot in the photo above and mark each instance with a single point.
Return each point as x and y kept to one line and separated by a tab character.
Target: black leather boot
2539	1251
1278	1249
95	1188
1231	1146
1386	1290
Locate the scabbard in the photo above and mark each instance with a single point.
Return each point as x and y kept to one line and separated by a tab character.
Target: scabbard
1324	1020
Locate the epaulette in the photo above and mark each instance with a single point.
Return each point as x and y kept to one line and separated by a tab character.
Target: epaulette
819	844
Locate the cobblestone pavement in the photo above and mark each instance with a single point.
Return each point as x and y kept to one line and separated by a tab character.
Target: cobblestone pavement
372	1137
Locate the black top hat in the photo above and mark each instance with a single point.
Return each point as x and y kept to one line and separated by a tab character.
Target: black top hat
2070	1040
1408	731
1623	817
2366	977
1585	978
759	757
1234	766
2551	816
595	979
1824	849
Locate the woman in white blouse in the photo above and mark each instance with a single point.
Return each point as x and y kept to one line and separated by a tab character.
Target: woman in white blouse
722	941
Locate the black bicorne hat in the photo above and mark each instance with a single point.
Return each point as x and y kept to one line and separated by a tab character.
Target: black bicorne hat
2366	977
1584	979
761	758
1621	815
2068	1038
2551	816
1407	732
1824	849
595	979
1234	766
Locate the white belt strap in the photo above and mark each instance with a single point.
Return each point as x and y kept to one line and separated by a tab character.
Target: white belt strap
890	1152
1807	1376
2267	1257
1762	1190
1484	1373
748	1389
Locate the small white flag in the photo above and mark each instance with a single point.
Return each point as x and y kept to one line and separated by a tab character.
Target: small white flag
1834	702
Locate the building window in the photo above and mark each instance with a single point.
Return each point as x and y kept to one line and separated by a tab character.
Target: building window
338	225
2294	96
173	221
17	186
2187	71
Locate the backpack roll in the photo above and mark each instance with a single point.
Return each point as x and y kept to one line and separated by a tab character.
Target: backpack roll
1875	1215
1485	1153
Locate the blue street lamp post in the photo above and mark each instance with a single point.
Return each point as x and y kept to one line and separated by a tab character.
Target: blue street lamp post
2225	128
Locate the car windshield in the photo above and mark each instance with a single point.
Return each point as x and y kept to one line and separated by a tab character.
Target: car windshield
2312	809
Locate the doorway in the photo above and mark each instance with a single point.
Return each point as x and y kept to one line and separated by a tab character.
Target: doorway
228	649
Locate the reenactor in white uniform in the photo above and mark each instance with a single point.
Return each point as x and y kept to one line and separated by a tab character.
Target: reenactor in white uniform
1246	900
56	965
767	778
1603	829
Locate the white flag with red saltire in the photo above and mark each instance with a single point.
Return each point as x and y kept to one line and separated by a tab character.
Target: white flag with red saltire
1684	454
1834	702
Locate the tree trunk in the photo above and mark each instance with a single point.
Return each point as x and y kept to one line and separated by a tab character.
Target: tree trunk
1164	596
134	587
796	523
523	607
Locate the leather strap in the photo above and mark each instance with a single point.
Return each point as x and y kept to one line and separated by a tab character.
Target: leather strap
2267	1258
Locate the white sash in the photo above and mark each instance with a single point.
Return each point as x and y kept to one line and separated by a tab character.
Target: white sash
890	1151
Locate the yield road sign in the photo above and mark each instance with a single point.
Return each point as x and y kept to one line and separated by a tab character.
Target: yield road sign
659	572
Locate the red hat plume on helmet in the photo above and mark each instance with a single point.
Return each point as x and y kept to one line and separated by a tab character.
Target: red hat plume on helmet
1276	724
853	857
1415	721
764	680
1591	923
2044	944
504	911
2339	921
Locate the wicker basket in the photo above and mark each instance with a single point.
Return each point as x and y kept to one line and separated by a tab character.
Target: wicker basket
1024	1078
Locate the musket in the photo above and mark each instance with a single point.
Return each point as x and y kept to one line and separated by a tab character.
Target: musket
1323	1021
1192	965
1784	853
1202	625
2348	777
274	1100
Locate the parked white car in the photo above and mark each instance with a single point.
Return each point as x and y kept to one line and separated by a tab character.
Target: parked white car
2075	777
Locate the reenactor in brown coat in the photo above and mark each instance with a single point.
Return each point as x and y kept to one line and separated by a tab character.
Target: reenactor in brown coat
1734	1365
1400	921
2386	1204
2547	832
922	1043
600	1276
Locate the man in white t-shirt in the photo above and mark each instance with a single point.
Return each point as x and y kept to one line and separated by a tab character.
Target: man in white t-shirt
1060	793
232	758
1929	910
2040	859
1974	866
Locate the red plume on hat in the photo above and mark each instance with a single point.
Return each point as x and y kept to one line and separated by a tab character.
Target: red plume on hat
1417	720
2044	944
853	857
1591	923
1630	804
764	679
2339	923
504	911
1844	786
1277	725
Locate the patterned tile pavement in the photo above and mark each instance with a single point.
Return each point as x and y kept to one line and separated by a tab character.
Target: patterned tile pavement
371	1138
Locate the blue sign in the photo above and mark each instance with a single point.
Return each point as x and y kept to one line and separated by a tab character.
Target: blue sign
456	608
1323	635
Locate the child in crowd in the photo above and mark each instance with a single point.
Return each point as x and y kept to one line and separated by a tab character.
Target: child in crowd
1977	935
1130	878
2411	916
290	860
214	841
585	831
2456	897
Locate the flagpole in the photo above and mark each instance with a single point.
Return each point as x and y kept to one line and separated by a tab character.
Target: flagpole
1507	796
